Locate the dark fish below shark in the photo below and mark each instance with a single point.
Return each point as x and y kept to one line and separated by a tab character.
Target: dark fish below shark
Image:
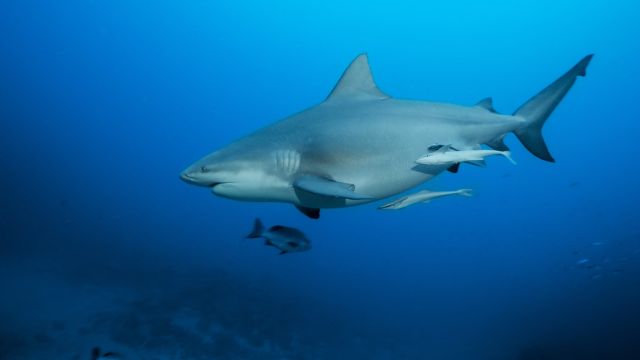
284	238
361	145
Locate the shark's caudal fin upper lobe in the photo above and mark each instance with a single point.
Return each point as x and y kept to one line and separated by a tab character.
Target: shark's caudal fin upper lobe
537	109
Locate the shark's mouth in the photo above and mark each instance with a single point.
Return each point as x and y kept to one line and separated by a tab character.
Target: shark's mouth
199	182
214	184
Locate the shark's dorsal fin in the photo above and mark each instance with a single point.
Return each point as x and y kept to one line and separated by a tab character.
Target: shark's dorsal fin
356	83
486	103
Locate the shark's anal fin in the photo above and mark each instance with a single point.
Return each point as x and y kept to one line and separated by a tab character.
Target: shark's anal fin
326	187
498	144
309	212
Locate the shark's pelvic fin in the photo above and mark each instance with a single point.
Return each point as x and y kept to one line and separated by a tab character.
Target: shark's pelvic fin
487	104
537	109
357	83
326	187
309	212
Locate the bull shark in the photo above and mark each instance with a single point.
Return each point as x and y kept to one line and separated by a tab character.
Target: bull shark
360	145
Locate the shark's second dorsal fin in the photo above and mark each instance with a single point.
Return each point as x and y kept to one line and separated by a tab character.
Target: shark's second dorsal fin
486	103
356	83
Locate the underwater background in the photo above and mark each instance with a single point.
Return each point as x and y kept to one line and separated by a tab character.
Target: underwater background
103	103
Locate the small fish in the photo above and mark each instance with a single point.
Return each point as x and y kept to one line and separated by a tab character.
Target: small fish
447	155
285	239
582	261
97	354
423	196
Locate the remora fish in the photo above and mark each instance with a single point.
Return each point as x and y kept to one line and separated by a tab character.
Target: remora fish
360	145
286	239
447	156
423	196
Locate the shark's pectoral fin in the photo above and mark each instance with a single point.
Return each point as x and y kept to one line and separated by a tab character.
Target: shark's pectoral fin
309	212
326	187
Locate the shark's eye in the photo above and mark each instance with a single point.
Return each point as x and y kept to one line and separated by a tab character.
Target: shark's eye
204	169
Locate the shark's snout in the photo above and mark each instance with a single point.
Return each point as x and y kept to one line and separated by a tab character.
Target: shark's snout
195	178
188	178
199	178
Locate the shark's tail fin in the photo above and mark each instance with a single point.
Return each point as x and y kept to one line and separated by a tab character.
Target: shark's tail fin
257	231
538	108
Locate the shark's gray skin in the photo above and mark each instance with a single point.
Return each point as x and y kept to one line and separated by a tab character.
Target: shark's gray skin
361	145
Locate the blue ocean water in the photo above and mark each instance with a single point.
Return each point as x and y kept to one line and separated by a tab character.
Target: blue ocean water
103	103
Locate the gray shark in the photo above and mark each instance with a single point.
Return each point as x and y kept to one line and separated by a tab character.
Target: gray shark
361	145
